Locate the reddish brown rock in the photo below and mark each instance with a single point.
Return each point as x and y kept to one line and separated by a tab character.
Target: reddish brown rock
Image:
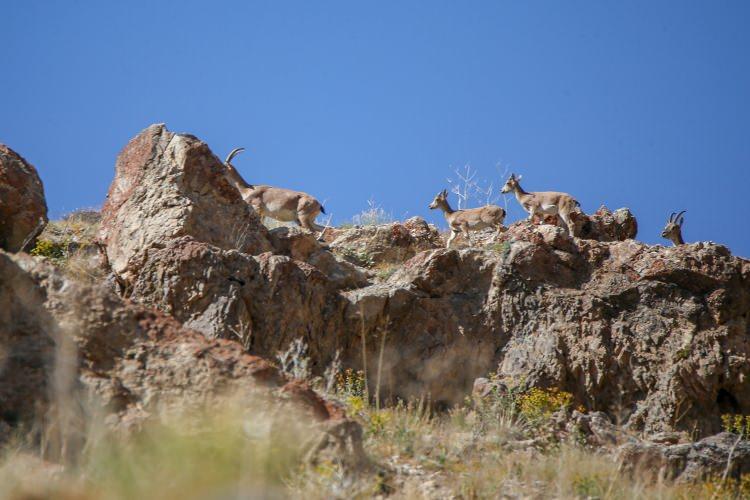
170	185
23	209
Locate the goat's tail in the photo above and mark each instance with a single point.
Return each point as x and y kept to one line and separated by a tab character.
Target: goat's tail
322	209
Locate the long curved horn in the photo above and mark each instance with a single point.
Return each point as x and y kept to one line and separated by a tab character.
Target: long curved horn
233	153
676	219
671	217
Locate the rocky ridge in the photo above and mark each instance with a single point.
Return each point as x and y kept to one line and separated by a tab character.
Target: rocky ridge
653	337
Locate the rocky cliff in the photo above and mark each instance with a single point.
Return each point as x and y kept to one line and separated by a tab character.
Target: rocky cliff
655	337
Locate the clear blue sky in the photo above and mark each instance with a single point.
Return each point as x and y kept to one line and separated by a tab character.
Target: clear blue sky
644	104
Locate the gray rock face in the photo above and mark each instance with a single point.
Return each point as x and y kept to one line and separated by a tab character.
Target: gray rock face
712	456
23	209
170	185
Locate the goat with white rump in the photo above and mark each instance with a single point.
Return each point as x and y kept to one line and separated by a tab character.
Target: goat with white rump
461	221
673	230
544	202
280	204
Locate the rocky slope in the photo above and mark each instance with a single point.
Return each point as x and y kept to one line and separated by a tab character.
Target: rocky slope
655	337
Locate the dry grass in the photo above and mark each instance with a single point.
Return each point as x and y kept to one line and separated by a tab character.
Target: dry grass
497	448
70	244
239	451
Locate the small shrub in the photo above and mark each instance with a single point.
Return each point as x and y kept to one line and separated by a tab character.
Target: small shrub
501	248
356	257
49	249
737	424
585	486
352	389
373	215
294	362
538	403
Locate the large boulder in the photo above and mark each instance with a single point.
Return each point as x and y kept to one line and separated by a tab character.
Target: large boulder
23	209
170	185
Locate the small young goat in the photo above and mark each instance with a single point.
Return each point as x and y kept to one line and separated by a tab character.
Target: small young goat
673	230
281	204
544	202
461	221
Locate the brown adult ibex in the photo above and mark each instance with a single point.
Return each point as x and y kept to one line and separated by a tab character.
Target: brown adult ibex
461	221
280	204
673	230
544	202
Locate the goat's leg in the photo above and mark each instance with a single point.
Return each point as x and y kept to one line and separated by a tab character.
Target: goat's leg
307	221
465	231
451	238
569	226
532	213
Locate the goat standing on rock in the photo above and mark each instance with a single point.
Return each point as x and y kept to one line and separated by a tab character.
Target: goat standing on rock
280	204
544	202
673	230
461	221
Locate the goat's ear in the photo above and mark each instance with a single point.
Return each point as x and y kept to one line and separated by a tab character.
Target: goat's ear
444	193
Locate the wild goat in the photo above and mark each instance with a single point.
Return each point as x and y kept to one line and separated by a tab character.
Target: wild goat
544	202
673	230
281	204
461	221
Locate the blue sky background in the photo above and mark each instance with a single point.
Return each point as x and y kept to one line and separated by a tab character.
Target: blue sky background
644	104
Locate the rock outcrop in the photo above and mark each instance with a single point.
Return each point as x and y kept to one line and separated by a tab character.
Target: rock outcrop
263	301
392	243
714	456
653	336
69	347
605	225
170	185
23	208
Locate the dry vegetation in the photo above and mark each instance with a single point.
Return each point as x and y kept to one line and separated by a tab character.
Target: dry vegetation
497	447
70	244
